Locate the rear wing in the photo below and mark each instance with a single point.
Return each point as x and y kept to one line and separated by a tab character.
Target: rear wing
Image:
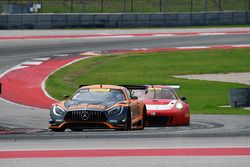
175	87
144	87
141	87
82	86
135	87
130	87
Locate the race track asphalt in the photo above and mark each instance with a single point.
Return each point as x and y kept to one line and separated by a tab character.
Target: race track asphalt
28	126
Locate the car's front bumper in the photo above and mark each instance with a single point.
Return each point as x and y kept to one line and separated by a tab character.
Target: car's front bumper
168	118
96	120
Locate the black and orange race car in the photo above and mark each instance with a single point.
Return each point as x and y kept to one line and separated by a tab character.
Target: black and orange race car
164	107
98	107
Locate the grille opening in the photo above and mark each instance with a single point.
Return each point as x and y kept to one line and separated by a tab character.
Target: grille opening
85	115
159	120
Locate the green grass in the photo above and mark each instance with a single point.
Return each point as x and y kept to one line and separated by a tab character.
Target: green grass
136	6
158	68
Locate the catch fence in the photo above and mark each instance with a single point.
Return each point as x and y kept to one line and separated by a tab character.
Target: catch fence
121	6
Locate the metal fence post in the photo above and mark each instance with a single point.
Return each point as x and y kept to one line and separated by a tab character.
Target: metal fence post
160	5
102	6
124	6
246	5
30	3
41	2
8	9
205	5
71	6
220	9
132	5
191	3
83	6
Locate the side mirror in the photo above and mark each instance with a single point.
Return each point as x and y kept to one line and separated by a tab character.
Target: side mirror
134	97
66	97
183	98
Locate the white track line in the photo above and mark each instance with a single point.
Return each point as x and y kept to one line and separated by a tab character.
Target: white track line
104	33
163	35
118	36
19	67
61	55
193	47
11	69
213	33
127	148
42	59
32	63
241	46
17	104
43	86
140	49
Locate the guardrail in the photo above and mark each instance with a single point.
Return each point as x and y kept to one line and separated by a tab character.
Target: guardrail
50	21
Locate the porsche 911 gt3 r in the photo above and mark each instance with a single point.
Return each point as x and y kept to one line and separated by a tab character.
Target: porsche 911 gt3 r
164	107
98	106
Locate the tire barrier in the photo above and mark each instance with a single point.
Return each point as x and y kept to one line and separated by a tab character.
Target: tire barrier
240	97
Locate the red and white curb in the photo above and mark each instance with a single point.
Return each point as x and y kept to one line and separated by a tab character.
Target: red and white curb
107	35
148	50
25	83
125	153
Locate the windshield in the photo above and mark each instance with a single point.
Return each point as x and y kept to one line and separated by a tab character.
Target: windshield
99	96
155	94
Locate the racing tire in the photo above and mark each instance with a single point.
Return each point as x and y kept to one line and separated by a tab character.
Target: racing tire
58	129
128	121
144	119
187	124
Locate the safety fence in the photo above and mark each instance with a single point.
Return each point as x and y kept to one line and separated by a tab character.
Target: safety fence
121	6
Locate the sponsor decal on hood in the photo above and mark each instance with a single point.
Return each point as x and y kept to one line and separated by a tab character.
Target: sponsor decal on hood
75	105
87	106
168	106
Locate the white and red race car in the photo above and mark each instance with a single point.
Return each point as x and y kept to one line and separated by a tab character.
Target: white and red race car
164	107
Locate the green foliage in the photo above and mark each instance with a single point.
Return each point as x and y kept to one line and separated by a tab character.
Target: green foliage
160	68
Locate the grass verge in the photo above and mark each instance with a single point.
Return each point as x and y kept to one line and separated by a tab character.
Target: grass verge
159	68
134	6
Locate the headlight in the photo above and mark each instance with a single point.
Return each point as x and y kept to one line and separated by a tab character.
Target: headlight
58	111
179	106
115	111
